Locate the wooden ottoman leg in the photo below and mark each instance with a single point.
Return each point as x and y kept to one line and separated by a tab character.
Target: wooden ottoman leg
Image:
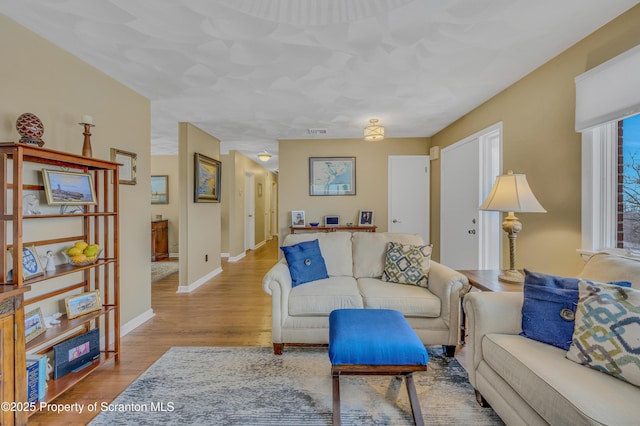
413	400
336	397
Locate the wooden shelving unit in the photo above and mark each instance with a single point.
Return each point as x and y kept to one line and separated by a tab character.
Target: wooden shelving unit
20	171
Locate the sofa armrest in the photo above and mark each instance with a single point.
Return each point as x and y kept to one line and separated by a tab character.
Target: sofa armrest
487	313
277	284
449	286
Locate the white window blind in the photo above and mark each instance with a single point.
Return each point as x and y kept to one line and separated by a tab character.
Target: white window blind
609	91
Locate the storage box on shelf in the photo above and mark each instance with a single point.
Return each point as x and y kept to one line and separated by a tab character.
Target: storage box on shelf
48	229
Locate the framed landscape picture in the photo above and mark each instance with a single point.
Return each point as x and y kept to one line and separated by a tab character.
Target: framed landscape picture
127	169
34	324
68	188
207	174
332	176
160	189
82	304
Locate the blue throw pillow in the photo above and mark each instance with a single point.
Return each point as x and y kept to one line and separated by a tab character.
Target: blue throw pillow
305	262
548	311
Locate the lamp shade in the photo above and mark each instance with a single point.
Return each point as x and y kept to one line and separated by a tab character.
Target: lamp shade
511	193
264	156
374	131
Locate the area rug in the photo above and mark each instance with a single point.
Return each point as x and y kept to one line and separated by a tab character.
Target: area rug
160	270
252	386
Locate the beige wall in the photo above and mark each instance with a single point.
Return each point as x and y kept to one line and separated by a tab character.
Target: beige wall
539	140
234	168
371	178
59	88
200	234
168	165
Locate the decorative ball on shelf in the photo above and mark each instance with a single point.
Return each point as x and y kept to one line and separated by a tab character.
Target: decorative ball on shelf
30	129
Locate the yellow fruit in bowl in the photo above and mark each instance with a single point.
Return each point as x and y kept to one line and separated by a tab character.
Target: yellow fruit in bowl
91	252
74	251
81	245
79	258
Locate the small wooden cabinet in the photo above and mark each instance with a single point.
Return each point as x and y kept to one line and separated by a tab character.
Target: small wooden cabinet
159	240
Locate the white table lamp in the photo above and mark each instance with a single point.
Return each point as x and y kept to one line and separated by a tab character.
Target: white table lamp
511	193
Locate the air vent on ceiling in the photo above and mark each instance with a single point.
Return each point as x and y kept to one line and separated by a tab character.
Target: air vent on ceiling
317	131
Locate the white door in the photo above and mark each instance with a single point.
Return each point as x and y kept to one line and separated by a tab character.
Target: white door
274	205
469	238
249	212
409	194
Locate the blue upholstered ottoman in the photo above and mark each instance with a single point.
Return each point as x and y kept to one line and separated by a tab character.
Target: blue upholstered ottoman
374	342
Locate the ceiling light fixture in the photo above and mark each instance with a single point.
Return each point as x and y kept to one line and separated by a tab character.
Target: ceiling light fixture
374	131
264	156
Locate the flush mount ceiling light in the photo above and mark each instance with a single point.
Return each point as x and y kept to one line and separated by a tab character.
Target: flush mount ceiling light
264	156
374	131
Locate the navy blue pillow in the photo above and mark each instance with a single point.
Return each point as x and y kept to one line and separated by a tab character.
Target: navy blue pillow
548	311
305	262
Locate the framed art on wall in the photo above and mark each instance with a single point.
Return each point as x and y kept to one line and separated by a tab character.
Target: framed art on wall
160	189
127	170
68	188
332	176
207	174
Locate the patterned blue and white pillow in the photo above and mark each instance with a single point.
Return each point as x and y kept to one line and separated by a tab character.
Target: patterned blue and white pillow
607	330
407	264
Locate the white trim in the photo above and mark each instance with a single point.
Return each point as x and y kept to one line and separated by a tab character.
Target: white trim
174	255
194	285
599	183
129	326
238	257
223	255
260	244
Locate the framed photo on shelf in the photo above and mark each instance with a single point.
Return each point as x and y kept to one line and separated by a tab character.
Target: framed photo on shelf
331	220
68	188
31	265
82	304
127	169
160	189
332	175
74	354
365	218
34	324
297	219
207	174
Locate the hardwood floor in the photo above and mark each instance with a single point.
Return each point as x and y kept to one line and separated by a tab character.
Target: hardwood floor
229	310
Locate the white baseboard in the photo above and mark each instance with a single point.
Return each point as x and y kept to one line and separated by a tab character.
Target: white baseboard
260	244
189	288
136	322
236	258
222	255
174	255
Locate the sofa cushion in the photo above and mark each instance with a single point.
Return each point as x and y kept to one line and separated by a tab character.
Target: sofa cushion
559	390
607	331
411	300
370	249
407	264
605	267
305	262
323	296
548	311
335	248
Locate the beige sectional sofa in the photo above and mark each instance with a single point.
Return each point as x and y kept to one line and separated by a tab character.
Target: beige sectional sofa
355	262
532	383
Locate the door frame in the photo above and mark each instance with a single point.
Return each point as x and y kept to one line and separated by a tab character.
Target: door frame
490	158
249	209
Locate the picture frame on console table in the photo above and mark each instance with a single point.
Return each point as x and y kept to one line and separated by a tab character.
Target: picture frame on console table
75	354
297	219
365	218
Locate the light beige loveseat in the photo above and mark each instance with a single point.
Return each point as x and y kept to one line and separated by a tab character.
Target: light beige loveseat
532	383
355	262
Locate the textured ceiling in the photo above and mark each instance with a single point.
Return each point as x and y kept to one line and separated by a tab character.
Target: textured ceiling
251	72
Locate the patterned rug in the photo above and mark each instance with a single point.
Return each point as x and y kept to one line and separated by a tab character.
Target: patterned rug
160	270
251	386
